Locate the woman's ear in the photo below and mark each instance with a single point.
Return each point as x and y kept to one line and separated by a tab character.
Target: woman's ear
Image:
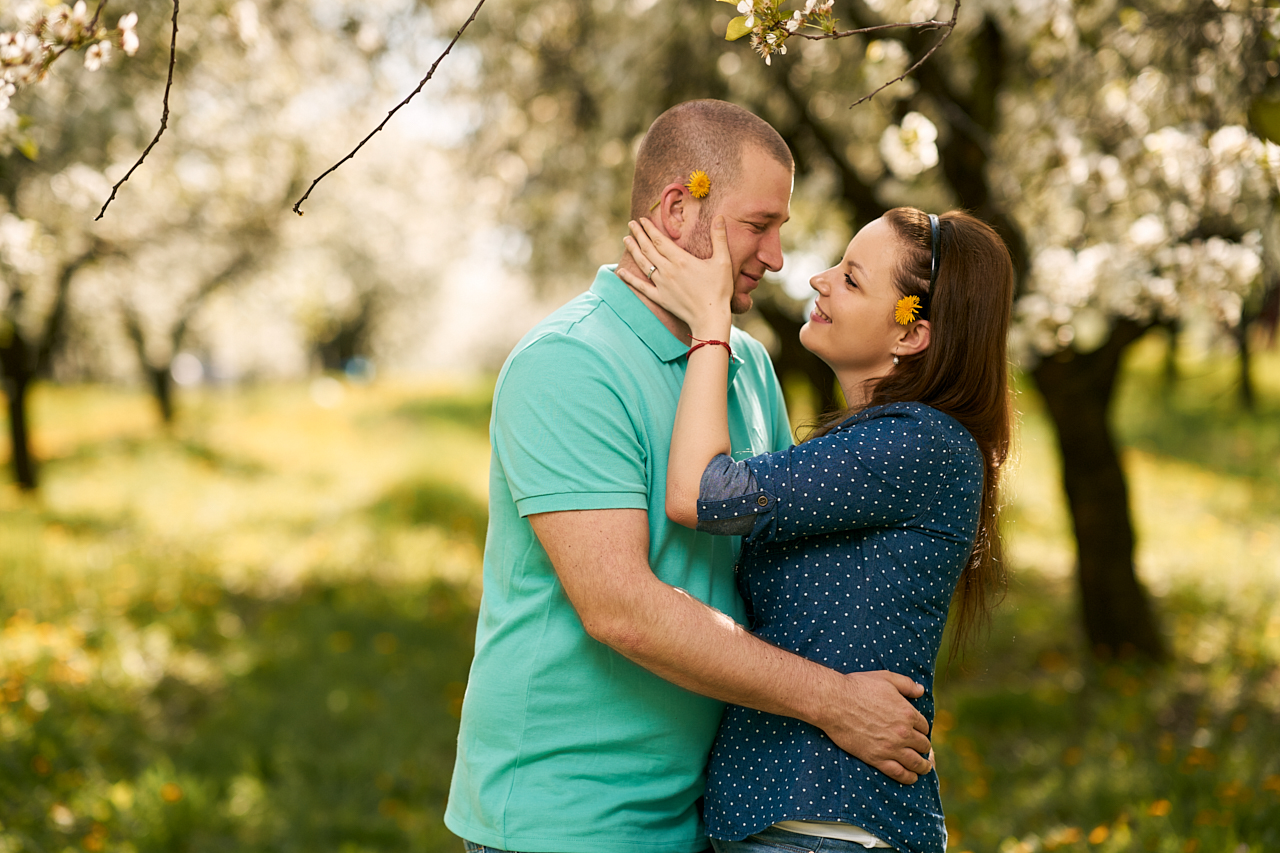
915	339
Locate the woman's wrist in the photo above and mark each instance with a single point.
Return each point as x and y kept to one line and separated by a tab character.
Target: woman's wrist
711	330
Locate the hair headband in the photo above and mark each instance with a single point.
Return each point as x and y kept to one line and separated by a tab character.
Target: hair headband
908	309
935	262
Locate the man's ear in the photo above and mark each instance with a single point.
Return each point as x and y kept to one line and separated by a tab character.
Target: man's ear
915	339
676	211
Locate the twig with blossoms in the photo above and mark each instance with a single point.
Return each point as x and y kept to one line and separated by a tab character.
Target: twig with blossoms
164	116
297	206
770	26
27	53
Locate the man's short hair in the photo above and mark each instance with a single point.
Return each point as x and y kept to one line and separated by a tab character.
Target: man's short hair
708	135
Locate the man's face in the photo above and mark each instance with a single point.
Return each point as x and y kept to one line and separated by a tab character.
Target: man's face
754	211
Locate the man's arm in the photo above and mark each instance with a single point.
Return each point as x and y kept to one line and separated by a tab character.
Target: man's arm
602	560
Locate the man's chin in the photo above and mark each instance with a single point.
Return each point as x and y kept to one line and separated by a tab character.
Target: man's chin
740	303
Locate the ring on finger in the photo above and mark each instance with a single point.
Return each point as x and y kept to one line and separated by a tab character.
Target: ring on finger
649	274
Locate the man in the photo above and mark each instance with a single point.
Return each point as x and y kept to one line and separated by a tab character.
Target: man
608	636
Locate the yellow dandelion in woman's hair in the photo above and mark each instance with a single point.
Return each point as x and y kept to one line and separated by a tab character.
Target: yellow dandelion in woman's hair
699	184
904	313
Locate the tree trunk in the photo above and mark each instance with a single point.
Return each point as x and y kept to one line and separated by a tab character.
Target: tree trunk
1077	389
16	370
1169	377
161	379
1248	397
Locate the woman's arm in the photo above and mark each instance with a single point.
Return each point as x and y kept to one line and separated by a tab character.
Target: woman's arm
696	291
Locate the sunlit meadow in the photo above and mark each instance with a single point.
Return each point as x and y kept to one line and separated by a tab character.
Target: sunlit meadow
252	632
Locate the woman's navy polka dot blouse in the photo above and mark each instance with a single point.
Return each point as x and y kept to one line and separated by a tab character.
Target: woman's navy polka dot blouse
853	545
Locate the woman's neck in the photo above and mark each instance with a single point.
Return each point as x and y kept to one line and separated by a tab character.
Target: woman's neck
856	390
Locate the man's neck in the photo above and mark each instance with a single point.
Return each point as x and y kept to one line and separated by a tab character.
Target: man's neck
674	324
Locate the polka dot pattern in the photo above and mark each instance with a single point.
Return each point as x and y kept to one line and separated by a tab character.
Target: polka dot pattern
851	561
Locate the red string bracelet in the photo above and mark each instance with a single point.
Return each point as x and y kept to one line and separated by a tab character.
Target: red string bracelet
701	343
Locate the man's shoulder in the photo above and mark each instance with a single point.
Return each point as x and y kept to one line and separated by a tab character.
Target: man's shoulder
578	319
583	327
581	349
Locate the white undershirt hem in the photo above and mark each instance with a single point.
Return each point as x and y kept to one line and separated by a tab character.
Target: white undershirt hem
823	829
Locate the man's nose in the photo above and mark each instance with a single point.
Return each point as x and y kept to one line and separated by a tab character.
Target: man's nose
770	253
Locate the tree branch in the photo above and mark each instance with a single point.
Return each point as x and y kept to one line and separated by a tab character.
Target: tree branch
918	25
164	118
950	28
245	260
92	28
297	206
54	324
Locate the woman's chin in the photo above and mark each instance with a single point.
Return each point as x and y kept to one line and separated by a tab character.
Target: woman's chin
807	341
806	337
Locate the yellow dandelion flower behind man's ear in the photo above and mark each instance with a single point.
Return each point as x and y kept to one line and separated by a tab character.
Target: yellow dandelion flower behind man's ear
699	184
904	312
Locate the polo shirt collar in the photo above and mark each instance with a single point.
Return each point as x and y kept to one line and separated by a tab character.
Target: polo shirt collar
647	327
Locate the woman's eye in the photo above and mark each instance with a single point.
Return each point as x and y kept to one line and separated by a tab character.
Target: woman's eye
849	281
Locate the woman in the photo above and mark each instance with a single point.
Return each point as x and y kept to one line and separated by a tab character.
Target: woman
856	540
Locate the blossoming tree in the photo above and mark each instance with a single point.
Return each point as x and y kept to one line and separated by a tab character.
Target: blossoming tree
39	37
1109	144
201	256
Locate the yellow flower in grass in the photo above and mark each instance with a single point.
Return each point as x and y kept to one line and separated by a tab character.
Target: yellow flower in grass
699	184
904	313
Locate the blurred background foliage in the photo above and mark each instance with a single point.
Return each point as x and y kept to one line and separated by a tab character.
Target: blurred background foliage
239	551
252	632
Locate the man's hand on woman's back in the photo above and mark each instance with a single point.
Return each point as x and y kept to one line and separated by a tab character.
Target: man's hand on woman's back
867	716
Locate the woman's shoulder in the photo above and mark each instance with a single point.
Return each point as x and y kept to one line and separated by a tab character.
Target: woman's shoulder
913	418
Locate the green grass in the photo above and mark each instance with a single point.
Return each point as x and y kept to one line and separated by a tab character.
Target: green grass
252	633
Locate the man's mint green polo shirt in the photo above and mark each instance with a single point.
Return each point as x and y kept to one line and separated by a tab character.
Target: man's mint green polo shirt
565	745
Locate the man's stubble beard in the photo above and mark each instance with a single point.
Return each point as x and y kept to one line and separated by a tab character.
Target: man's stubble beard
700	246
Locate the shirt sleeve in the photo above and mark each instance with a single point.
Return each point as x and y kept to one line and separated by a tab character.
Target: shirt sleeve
725	498
564	435
878	472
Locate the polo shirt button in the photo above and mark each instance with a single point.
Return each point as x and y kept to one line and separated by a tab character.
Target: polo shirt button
762	501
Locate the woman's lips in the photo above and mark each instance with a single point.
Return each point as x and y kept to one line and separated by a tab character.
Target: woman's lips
818	316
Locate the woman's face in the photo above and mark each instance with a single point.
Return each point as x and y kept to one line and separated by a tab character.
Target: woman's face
851	326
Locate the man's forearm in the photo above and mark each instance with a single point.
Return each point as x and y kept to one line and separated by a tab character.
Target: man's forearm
677	637
601	558
686	642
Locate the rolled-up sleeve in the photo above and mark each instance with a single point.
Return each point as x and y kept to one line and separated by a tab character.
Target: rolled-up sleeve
879	471
729	499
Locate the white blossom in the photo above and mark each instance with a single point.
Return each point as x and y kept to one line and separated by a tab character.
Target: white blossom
1148	232
96	55
910	148
128	33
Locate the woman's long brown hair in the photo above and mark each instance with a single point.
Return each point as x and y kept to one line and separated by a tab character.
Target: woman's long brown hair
964	372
